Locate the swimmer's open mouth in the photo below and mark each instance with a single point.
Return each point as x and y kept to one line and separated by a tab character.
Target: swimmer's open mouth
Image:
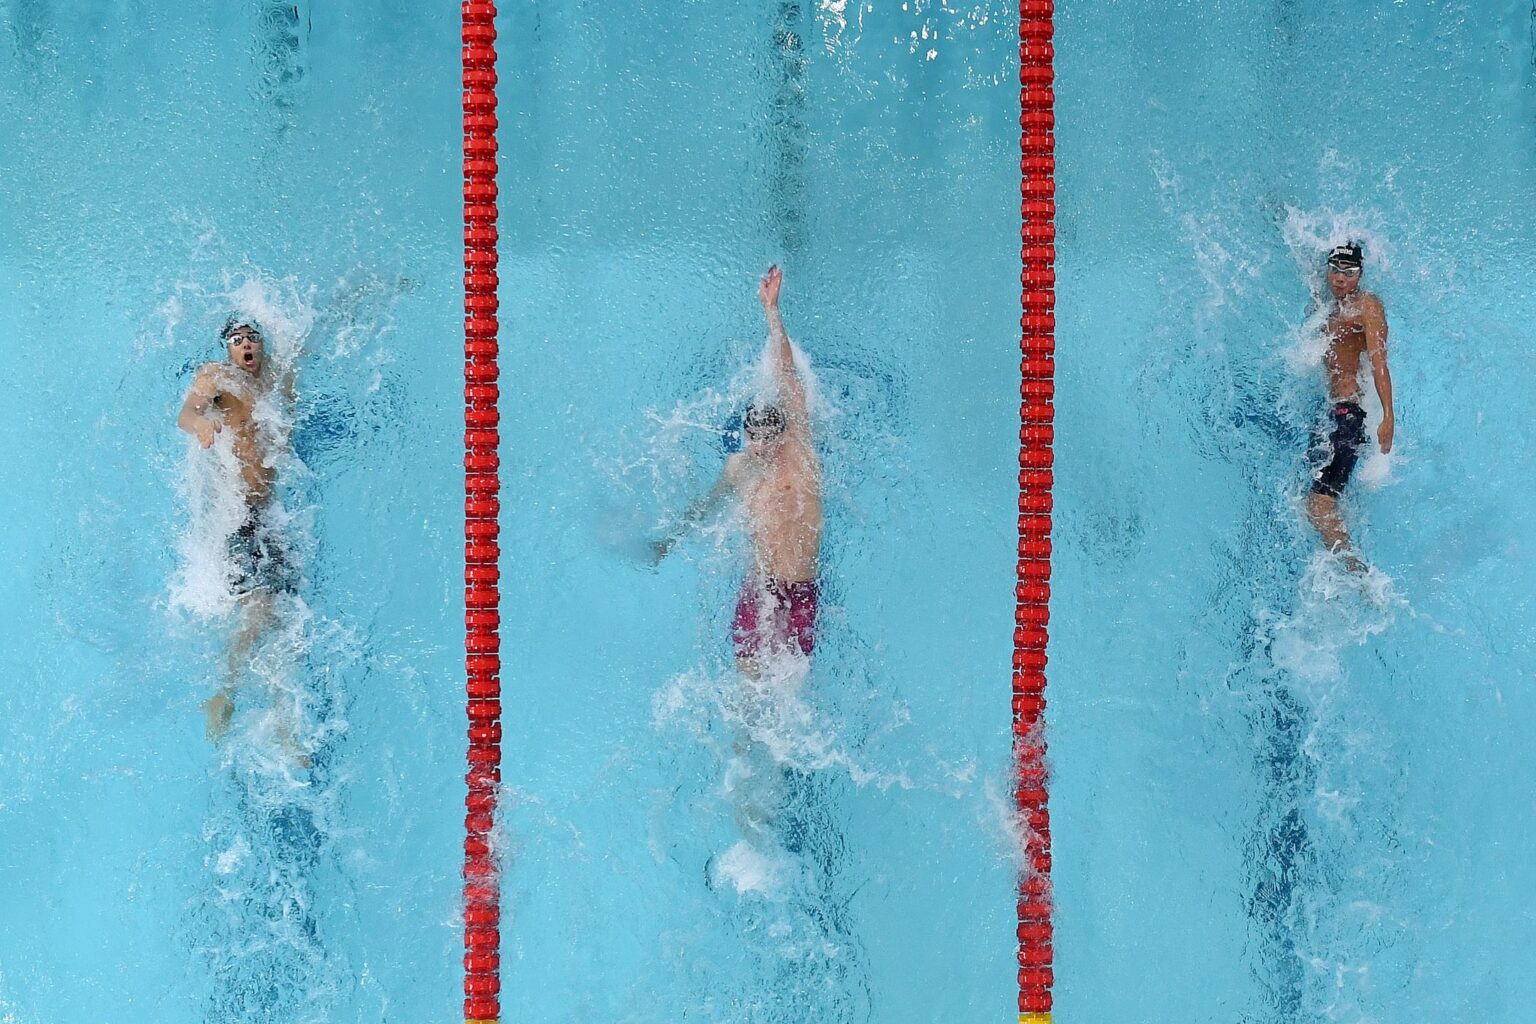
250	358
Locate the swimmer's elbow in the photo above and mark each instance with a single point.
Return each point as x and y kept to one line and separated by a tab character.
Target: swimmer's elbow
1379	358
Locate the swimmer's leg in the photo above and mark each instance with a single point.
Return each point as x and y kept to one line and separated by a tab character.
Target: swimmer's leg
1323	511
755	782
286	714
218	710
288	717
755	777
256	617
743	777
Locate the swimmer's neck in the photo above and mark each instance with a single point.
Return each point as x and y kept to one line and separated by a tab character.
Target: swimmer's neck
239	379
759	462
239	372
1345	301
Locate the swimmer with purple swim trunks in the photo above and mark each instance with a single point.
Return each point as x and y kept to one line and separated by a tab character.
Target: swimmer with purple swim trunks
1356	327
778	480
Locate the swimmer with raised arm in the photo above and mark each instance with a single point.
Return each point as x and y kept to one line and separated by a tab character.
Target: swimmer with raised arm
778	481
1356	330
223	397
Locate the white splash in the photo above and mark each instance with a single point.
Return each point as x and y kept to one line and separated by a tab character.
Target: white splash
770	717
210	484
748	869
1308	236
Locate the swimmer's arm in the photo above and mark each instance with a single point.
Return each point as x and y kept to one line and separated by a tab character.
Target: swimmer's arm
702	508
1375	318
791	389
194	419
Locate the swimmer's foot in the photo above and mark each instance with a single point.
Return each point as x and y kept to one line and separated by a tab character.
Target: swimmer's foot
218	710
296	754
1355	564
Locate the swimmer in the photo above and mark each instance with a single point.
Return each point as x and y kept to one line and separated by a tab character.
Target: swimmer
1356	327
778	482
224	395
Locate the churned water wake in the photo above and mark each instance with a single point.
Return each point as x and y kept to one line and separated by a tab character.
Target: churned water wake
1323	855
770	765
275	806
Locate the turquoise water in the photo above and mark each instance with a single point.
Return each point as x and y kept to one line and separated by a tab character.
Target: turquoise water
162	168
1280	795
305	172
668	157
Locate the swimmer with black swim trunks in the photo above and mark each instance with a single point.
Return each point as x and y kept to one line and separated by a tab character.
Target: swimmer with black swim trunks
778	480
1356	328
224	395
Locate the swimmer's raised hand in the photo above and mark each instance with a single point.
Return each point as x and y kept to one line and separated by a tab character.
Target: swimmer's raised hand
205	429
768	290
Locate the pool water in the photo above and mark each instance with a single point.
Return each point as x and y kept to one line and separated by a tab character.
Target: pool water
667	158
1281	793
164	167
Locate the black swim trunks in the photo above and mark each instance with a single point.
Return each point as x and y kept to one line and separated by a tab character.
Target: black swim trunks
260	560
1336	451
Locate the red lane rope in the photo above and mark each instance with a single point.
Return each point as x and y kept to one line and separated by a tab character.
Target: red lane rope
1037	323
482	487
482	910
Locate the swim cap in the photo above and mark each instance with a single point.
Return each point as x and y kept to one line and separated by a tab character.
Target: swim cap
1347	256
235	322
765	418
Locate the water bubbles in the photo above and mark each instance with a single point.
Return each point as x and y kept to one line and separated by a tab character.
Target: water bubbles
750	870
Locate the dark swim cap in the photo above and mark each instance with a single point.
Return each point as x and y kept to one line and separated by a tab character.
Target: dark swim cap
765	419
1347	256
234	323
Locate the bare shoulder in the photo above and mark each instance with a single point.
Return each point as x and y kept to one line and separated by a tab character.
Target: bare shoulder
1370	305
208	377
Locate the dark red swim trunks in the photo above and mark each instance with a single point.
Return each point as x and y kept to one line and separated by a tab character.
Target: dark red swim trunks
773	613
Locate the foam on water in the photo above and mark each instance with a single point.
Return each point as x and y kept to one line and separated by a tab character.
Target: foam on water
778	756
1323	849
275	810
749	869
1335	915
